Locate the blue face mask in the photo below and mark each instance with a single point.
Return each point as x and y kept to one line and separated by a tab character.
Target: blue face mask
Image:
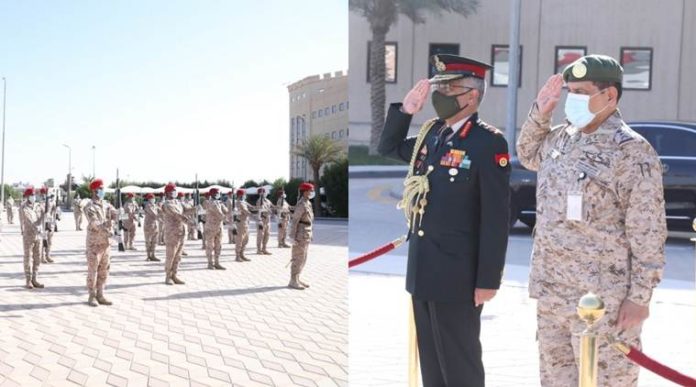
577	109
100	193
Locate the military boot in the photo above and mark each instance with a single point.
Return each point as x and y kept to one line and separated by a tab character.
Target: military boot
210	264
28	284
306	285
92	300
36	283
168	280
266	252
294	283
218	266
101	300
244	258
177	280
49	259
239	259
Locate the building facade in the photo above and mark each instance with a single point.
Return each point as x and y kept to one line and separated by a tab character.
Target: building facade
318	106
654	40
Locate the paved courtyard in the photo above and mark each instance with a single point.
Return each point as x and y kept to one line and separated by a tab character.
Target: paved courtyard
240	327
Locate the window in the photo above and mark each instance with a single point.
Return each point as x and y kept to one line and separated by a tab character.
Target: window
637	65
314	114
390	61
501	63
333	109
333	135
566	55
321	112
341	106
326	111
440	48
340	133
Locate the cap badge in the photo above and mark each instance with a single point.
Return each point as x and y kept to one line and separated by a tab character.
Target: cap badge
439	65
579	70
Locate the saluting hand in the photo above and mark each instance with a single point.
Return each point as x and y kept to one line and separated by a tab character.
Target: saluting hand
550	94
414	100
483	295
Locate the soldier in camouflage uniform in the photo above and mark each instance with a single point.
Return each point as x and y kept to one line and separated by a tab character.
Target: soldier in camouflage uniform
131	212
174	233
30	217
229	220
101	217
600	220
160	223
301	233
263	229
77	211
150	226
192	224
241	220
283	210
9	204
215	214
49	225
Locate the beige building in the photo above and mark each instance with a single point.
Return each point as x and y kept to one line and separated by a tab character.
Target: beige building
318	106
654	40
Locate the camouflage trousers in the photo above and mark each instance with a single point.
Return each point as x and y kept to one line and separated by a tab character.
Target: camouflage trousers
98	264
46	249
558	329
151	235
10	215
174	248
192	230
213	244
32	252
160	234
262	234
282	229
242	239
299	251
230	233
78	221
129	234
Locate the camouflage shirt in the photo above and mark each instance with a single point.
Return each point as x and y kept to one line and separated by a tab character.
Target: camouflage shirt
302	218
151	214
215	213
100	221
616	241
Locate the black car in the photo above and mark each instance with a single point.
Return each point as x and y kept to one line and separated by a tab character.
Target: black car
675	142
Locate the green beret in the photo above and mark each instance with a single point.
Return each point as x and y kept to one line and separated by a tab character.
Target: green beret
597	68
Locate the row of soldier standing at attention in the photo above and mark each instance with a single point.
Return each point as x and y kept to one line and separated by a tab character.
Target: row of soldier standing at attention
600	218
165	221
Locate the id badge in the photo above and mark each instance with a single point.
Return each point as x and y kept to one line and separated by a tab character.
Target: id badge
574	208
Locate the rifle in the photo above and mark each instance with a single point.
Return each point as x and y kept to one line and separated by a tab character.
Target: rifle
120	229
197	199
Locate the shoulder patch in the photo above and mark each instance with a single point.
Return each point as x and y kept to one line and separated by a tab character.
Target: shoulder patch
624	135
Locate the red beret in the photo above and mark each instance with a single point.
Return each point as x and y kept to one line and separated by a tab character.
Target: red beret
149	196
180	195
240	192
43	190
169	187
96	184
213	191
306	187
28	191
130	194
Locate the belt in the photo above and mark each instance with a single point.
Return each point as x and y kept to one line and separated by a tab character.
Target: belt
305	223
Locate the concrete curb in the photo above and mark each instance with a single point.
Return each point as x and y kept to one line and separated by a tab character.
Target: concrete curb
376	171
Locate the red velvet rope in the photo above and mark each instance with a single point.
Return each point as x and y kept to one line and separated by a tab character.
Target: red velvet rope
376	253
662	370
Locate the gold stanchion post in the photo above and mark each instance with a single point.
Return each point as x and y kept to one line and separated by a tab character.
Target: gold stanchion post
590	309
693	225
412	349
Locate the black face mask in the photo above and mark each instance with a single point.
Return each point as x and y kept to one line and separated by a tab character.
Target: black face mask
447	106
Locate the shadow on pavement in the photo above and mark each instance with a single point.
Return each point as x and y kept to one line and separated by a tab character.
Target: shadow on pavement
217	293
16	307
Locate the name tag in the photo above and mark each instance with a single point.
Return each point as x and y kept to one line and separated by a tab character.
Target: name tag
574	210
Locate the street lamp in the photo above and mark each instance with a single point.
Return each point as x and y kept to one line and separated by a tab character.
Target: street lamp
2	168
69	173
94	174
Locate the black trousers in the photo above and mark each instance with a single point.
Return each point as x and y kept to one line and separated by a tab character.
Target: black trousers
448	343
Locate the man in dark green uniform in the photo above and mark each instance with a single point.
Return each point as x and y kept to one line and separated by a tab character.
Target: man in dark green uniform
456	200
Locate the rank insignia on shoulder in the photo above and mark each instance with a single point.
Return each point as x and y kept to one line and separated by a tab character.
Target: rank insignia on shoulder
502	159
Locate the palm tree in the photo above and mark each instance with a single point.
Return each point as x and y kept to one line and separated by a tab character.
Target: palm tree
318	150
381	14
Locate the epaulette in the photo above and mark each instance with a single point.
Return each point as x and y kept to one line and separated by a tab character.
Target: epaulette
624	135
490	128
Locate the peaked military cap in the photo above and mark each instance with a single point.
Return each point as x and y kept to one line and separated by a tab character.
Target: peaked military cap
597	68
450	67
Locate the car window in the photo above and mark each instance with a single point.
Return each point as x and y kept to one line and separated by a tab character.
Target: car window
670	141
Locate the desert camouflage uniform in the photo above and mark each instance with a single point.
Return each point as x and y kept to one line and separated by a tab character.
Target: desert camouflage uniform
615	251
229	219
101	217
192	222
48	228
263	229
160	224
151	228
283	211
242	223
215	214
301	231
174	234
77	211
8	207
131	211
30	217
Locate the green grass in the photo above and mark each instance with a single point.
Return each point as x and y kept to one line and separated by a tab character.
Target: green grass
358	155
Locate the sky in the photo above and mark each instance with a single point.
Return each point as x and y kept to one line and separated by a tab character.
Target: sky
163	89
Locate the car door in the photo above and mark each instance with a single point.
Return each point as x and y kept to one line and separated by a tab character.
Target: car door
676	146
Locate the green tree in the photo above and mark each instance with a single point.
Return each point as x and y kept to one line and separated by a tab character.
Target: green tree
291	190
381	15
335	182
318	150
249	183
277	185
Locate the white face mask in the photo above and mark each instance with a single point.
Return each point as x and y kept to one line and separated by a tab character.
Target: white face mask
31	198
100	193
312	194
172	195
285	196
577	109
